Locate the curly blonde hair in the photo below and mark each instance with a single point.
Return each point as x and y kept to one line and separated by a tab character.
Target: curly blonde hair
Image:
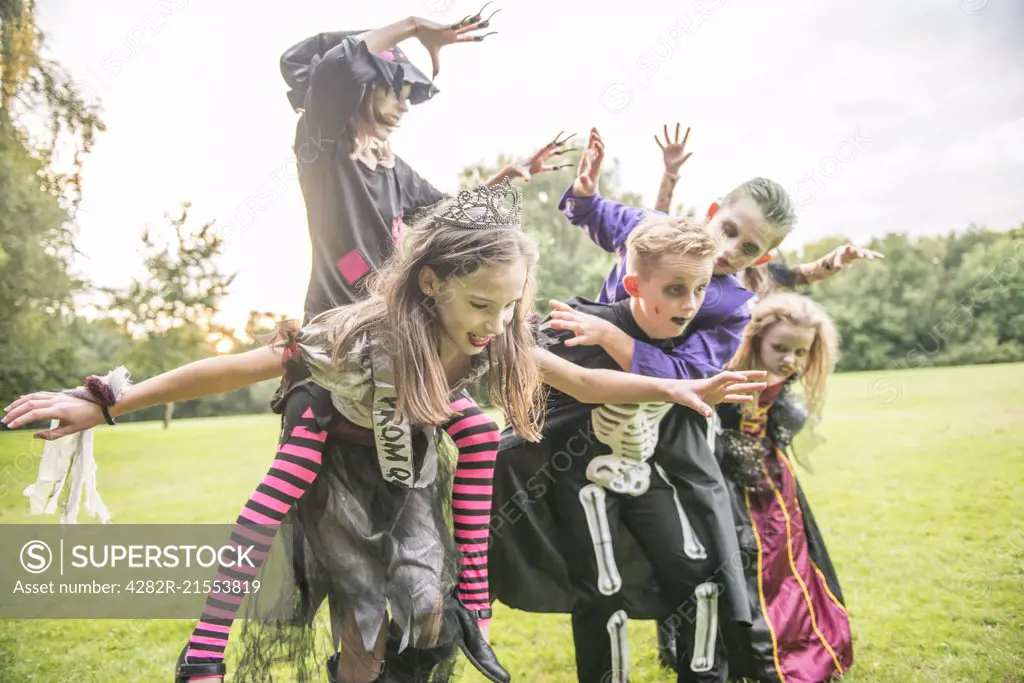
798	311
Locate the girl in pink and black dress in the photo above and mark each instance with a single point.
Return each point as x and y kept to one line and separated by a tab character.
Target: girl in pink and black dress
801	631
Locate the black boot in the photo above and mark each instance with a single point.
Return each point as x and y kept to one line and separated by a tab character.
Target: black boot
411	665
476	648
668	652
185	670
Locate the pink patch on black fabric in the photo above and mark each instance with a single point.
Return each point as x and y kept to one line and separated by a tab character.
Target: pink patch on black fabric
353	266
387	55
397	230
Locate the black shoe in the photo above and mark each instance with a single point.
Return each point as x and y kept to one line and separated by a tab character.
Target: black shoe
185	670
412	665
476	648
668	654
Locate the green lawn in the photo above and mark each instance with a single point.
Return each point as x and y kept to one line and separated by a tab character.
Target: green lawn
918	490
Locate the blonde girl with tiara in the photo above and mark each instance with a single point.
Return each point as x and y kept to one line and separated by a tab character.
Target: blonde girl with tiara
801	631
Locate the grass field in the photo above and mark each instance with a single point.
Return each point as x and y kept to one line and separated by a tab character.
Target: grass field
918	489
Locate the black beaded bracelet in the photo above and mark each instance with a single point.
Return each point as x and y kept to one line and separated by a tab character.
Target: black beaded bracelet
106	415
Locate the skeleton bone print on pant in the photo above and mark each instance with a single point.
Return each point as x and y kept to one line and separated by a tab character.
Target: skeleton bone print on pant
631	431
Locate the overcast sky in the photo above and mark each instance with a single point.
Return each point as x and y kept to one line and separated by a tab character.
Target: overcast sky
879	116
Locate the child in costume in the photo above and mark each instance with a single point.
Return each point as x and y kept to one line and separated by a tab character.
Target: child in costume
358	471
598	468
762	278
749	221
352	89
801	631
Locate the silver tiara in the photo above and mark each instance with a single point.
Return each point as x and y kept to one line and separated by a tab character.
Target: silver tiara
501	206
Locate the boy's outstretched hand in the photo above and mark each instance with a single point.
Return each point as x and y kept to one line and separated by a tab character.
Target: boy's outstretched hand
834	261
590	167
848	253
673	150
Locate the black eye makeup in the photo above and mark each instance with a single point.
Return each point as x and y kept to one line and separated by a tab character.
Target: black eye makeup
751	249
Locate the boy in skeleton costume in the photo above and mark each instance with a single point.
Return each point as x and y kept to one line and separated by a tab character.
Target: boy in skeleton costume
594	488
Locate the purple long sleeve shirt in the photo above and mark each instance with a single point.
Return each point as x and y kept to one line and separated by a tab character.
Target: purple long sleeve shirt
716	330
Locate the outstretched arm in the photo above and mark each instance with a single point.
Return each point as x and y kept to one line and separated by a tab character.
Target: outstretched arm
206	377
831	263
612	386
335	75
535	163
704	352
675	155
606	221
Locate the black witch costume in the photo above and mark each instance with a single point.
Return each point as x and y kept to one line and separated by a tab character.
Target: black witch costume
356	214
589	521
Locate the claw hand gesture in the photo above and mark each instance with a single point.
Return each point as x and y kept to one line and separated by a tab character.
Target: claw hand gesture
434	36
537	162
847	254
674	150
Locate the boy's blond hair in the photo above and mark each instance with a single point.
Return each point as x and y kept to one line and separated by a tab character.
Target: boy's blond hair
659	237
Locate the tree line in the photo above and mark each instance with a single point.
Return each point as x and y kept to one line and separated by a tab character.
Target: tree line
942	300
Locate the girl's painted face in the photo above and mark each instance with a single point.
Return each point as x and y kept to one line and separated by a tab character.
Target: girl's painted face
785	349
742	233
386	109
670	295
476	308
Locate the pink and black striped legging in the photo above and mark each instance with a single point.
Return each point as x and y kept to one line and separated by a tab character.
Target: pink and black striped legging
476	436
295	468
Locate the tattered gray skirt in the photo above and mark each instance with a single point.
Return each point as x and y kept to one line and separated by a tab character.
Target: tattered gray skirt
366	545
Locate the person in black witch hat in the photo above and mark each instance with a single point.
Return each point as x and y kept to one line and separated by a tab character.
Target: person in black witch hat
352	89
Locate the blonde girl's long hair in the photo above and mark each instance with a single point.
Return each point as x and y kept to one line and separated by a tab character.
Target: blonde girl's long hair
406	320
799	311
